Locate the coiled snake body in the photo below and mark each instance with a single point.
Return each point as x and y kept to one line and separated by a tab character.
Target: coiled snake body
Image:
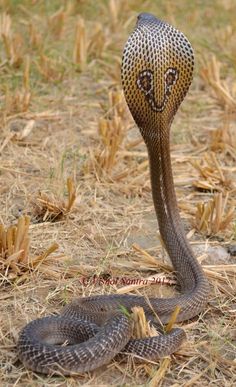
156	74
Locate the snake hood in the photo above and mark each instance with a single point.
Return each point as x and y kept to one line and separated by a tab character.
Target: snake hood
157	70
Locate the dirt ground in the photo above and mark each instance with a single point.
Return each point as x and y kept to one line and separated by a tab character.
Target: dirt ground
75	197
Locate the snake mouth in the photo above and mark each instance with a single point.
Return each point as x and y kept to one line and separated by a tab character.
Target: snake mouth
145	82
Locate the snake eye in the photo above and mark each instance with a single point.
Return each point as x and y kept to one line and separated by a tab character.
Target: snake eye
145	81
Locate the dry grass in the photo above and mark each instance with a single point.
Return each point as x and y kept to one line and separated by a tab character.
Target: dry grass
211	217
49	208
63	119
220	89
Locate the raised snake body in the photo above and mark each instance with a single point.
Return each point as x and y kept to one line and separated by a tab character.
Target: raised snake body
156	74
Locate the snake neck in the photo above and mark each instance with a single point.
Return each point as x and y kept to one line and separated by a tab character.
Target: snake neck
188	271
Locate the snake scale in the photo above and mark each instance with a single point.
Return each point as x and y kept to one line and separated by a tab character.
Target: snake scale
157	70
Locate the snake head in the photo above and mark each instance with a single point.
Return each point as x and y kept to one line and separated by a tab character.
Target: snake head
157	70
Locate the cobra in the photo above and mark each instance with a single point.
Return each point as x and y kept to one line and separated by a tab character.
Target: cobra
156	74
